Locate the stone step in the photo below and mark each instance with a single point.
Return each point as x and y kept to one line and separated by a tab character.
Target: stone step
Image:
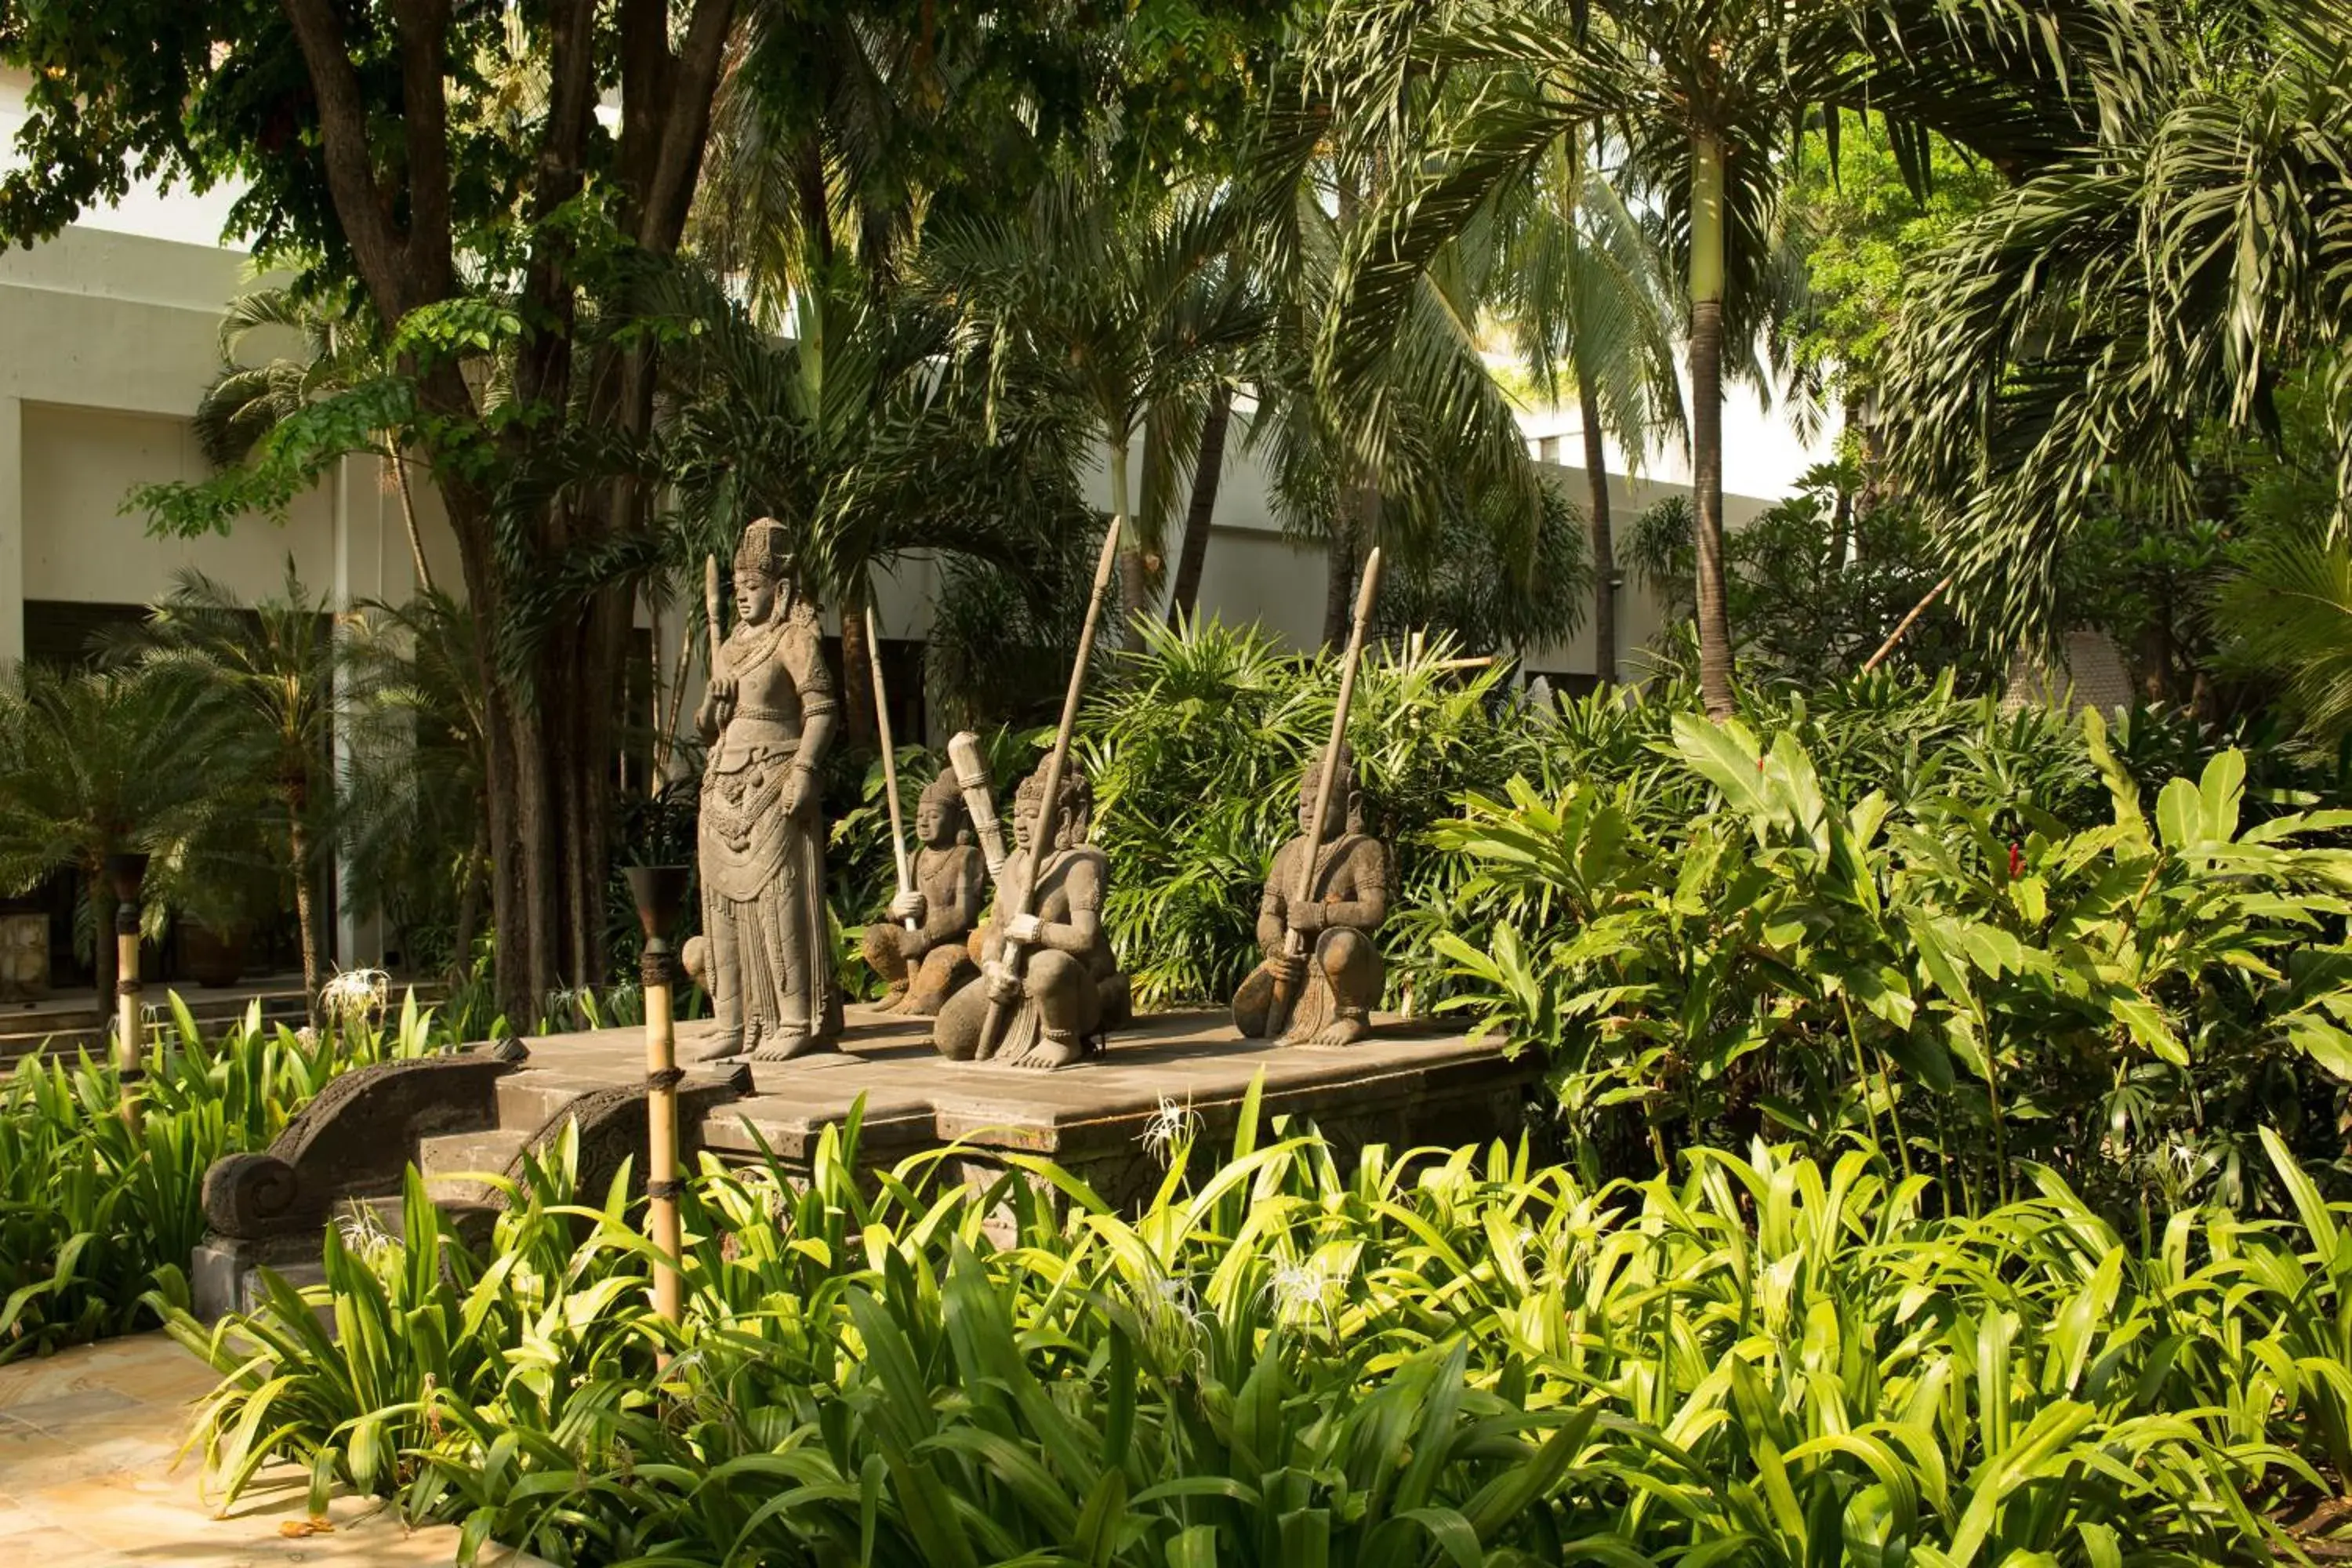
456	1165
65	1028
530	1100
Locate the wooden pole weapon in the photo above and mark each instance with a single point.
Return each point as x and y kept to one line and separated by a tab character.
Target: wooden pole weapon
889	759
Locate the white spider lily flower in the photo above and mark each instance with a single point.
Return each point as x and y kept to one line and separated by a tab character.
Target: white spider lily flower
1171	1127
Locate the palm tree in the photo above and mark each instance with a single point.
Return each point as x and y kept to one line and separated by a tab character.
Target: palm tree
2145	290
862	432
1588	301
267	669
1119	302
96	763
1697	97
1403	456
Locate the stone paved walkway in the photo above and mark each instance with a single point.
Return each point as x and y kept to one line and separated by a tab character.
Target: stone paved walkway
90	1476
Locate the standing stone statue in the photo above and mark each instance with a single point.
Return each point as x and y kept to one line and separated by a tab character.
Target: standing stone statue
1070	992
1338	981
924	966
768	721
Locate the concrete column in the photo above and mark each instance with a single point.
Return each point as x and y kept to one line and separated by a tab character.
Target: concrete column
12	529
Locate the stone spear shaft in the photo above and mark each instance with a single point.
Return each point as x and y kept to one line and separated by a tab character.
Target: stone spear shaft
889	757
1015	957
1294	943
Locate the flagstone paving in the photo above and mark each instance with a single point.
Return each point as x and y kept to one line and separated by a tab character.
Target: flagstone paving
91	1476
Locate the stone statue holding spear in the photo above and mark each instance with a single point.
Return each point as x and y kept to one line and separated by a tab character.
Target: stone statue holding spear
922	953
1049	988
1326	896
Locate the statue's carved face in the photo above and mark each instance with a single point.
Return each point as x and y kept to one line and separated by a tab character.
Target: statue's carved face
928	820
1071	824
755	597
1335	815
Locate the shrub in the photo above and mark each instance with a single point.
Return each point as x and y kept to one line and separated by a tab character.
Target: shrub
1958	976
1458	1357
94	1216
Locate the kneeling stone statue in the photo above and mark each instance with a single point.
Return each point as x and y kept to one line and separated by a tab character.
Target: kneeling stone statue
1338	981
925	966
1069	994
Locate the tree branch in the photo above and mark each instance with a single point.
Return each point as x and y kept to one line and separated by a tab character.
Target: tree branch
360	203
543	372
424	26
686	128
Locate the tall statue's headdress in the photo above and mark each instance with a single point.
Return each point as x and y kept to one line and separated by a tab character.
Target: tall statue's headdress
1073	819
766	549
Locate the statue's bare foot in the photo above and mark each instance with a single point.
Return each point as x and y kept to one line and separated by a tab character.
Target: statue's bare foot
895	999
789	1047
1338	1034
711	1048
1049	1052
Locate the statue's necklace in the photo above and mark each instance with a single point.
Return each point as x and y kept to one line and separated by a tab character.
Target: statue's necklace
757	647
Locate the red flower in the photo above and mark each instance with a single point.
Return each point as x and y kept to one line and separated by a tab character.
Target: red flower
2016	860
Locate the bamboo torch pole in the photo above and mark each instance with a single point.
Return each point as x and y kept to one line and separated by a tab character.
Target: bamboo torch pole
658	891
128	875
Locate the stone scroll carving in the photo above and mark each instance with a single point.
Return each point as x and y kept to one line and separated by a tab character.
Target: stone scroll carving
357	1138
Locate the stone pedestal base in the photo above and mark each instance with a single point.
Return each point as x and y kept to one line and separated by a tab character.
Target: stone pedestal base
1106	1122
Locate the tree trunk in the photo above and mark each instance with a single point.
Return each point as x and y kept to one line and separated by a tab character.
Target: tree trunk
1134	589
306	914
1604	546
1208	469
101	914
1706	420
858	666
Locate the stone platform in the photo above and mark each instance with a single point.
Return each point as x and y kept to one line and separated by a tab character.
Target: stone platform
1404	1085
461	1119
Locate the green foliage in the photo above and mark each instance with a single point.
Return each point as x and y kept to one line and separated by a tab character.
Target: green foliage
93	762
1457	1357
1866	233
861	431
1195	753
94	1216
415	823
1816	583
266	675
1969	981
1477	584
2154	283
